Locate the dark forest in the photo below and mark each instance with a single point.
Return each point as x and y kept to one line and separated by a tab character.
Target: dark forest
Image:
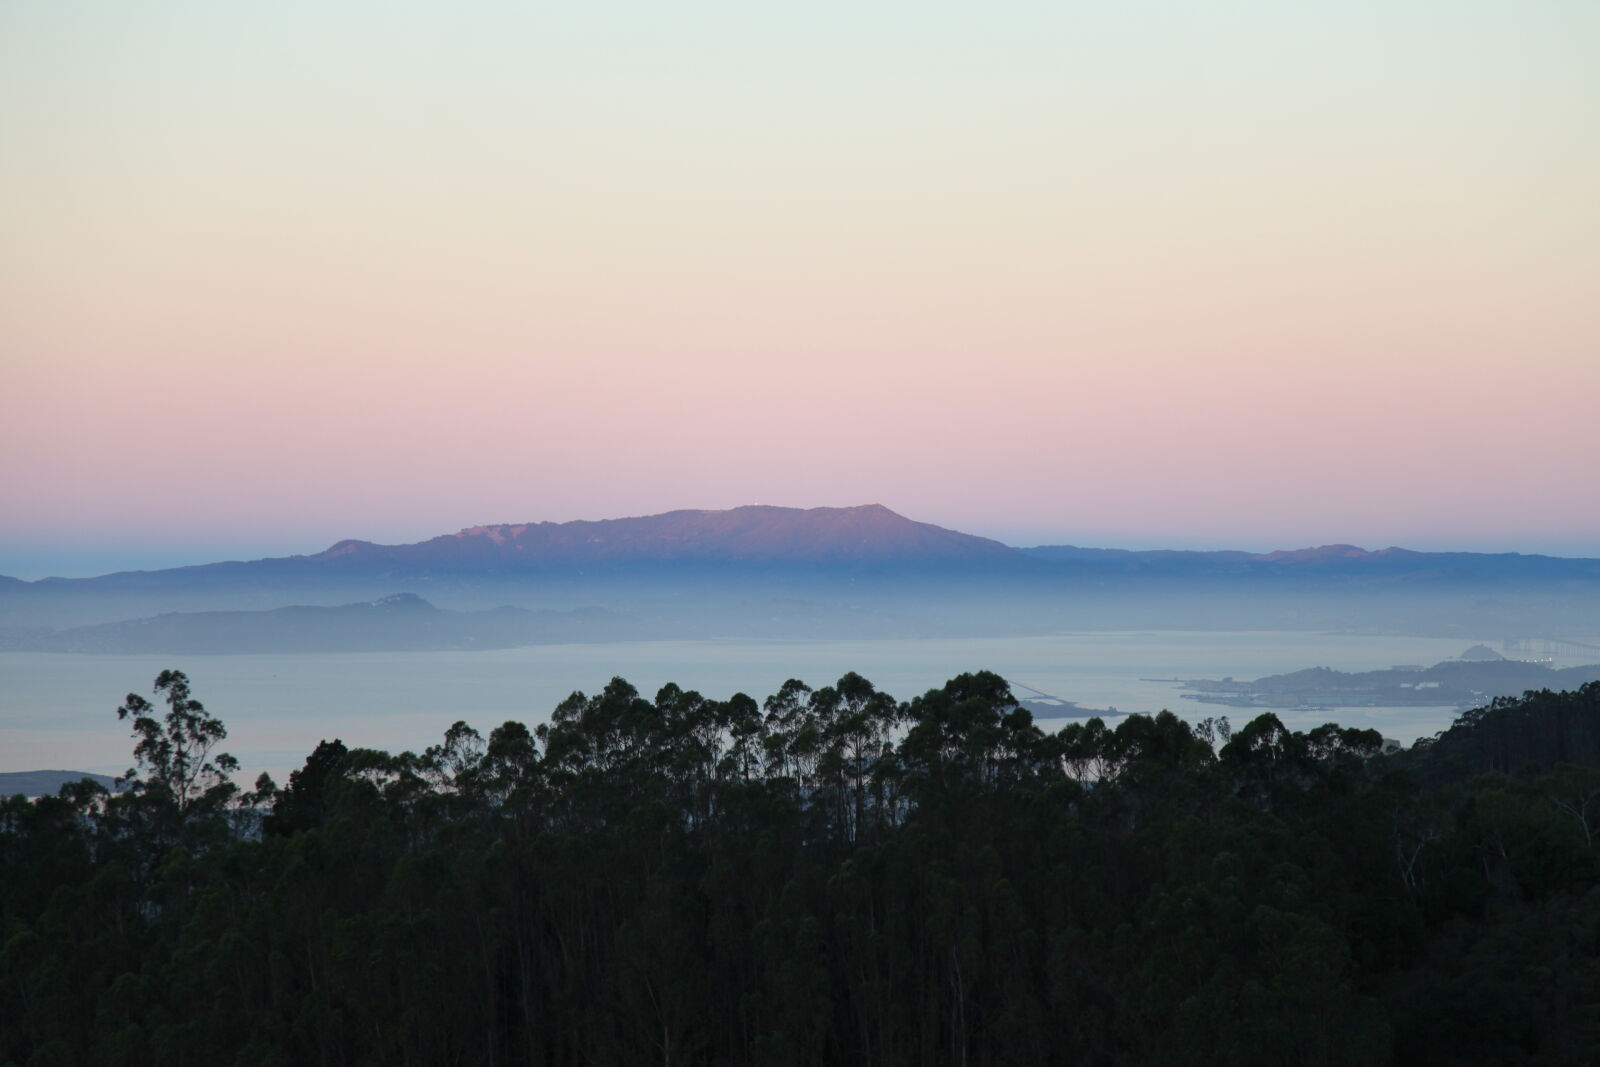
828	877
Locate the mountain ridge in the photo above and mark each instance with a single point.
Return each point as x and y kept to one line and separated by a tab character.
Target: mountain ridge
862	535
855	563
751	533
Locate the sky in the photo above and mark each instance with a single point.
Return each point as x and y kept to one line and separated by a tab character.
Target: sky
1244	274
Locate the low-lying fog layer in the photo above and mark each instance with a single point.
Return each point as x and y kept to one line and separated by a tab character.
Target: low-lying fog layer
59	710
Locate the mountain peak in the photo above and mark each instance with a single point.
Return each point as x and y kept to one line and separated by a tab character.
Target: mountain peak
400	601
765	533
347	547
1320	554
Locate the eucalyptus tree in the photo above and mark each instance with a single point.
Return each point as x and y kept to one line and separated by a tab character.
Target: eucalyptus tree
177	769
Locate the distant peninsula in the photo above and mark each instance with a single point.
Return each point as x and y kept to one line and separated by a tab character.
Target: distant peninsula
1474	678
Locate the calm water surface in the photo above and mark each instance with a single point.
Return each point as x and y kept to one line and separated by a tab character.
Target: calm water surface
59	710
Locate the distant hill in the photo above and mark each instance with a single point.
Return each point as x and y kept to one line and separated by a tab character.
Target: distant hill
684	552
1541	731
1332	564
758	533
1463	681
403	622
852	537
46	783
775	571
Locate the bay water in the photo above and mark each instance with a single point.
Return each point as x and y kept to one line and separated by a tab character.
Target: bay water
59	710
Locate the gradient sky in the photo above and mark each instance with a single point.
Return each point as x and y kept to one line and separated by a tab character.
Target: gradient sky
1260	275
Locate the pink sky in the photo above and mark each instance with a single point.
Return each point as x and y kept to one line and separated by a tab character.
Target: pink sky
268	280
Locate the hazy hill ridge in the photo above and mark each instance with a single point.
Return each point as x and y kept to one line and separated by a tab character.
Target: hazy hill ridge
868	535
1329	562
47	783
865	571
402	622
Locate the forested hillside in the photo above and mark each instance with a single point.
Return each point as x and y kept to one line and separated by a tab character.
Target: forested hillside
830	877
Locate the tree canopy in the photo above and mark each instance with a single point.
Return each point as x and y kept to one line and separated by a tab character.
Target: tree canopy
827	876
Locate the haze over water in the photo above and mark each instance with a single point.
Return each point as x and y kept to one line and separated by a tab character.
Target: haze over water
59	710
